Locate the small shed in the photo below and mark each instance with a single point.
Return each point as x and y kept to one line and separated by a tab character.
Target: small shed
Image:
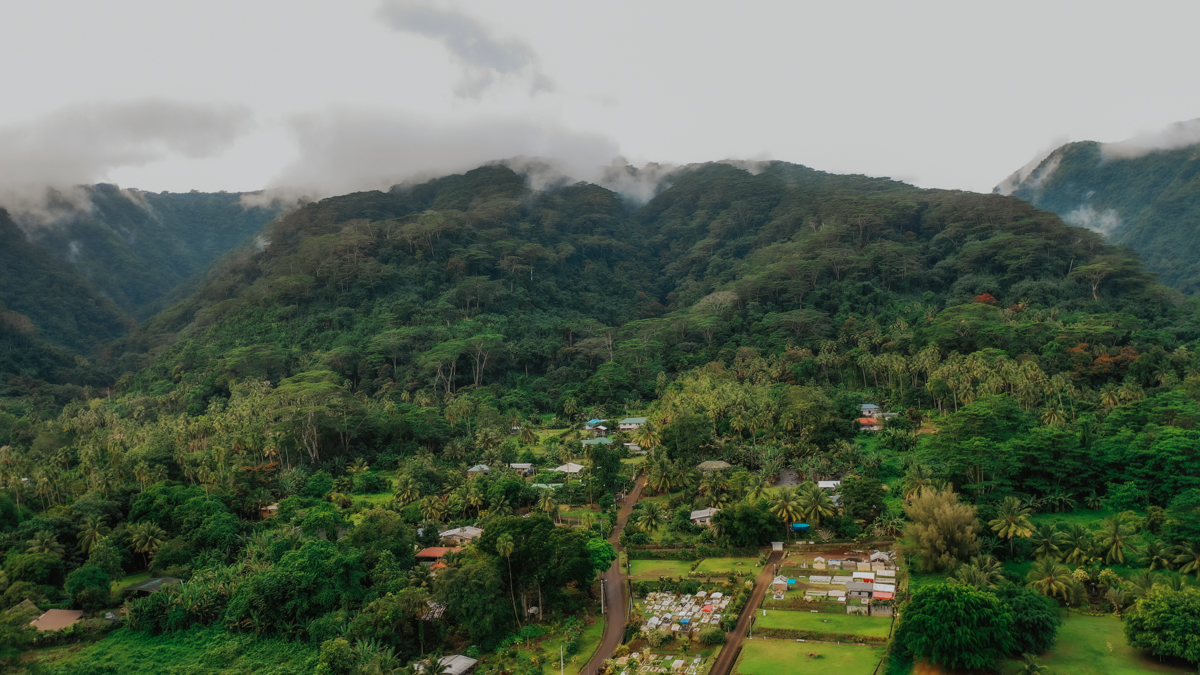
868	576
779	585
523	468
859	589
57	619
268	510
828	484
703	516
599	430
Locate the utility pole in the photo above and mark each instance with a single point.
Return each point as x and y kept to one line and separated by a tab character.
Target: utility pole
561	670
601	595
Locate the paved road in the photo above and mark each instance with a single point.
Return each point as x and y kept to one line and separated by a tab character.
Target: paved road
733	639
615	602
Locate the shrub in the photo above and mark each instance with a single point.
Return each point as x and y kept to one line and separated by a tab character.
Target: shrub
712	636
657	638
89	588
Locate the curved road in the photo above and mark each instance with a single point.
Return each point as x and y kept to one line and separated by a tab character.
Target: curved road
615	603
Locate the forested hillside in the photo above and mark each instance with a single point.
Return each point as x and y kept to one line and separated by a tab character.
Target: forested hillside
1150	203
384	342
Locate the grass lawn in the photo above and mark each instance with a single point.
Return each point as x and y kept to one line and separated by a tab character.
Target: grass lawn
588	641
1096	646
834	624
771	657
130	580
653	569
729	566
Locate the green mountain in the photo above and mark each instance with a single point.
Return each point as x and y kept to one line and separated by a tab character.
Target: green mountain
1148	201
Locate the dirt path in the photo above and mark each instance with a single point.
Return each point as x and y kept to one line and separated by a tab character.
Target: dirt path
615	603
733	639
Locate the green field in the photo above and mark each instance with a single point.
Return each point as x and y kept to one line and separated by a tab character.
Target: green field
834	624
729	566
588	641
1096	646
211	650
653	569
772	657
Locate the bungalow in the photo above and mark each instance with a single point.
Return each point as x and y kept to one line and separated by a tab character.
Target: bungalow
828	484
156	584
868	409
599	430
703	516
631	423
435	553
870	424
478	469
597	441
462	535
523	468
592	423
634	448
570	467
57	619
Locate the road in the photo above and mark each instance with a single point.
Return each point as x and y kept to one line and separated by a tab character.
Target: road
615	602
733	639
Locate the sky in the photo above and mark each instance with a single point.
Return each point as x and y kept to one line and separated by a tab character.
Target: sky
331	97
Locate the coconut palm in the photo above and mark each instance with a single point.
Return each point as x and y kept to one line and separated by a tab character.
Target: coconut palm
918	477
983	568
1076	545
815	504
647	436
145	538
1012	520
45	542
1046	540
505	546
91	531
1112	540
787	505
528	437
1141	583
1053	416
358	466
432	509
501	506
407	491
1188	558
547	504
1050	578
755	489
651	518
1157	555
1030	666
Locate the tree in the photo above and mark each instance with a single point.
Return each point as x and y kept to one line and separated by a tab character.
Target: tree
1077	545
505	547
1113	540
602	554
1187	556
145	538
746	524
1046	540
407	491
652	517
1167	623
91	531
788	507
1050	578
862	498
815	504
45	542
89	587
983	572
942	532
1031	666
955	626
1012	520
1036	618
1106	267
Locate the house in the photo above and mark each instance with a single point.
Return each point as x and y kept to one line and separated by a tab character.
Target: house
598	441
268	511
462	535
523	468
869	424
859	589
56	619
869	409
570	467
148	587
703	516
780	585
455	664
631	423
435	553
829	484
599	430
592	423
634	448
478	469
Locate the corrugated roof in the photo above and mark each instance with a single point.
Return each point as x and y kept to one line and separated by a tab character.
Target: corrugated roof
57	619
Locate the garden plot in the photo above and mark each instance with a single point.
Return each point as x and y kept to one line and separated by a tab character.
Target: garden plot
682	614
647	664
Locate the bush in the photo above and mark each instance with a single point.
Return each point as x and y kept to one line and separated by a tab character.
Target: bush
712	636
370	483
657	638
89	588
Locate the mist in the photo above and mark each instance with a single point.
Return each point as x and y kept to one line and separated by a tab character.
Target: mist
43	163
1177	135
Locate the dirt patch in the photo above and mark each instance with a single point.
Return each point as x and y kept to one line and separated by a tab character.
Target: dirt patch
787	478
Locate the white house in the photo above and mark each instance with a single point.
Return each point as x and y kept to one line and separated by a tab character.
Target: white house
631	423
703	516
570	467
462	535
828	484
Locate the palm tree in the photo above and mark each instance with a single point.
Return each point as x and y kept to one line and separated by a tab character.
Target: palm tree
505	547
501	506
528	437
1046	540
432	509
407	491
475	498
788	507
647	436
815	503
359	466
1142	583
145	538
919	476
1012	520
1077	545
547	503
1112	540
1050	578
45	542
652	517
1188	557
91	531
1157	555
755	489
1030	666
1054	417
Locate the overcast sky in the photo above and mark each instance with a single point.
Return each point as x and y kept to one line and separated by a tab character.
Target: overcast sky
353	94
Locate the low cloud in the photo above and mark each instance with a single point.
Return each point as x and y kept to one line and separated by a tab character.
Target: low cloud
43	163
1177	135
344	152
1104	222
1032	170
483	57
